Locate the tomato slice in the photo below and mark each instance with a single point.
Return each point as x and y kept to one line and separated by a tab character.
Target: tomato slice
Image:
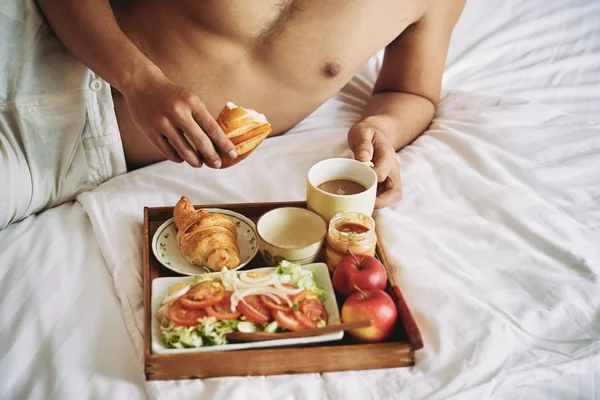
309	309
254	309
204	294
287	320
184	316
222	310
269	302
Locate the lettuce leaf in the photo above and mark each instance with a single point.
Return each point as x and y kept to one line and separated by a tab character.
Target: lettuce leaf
210	332
296	275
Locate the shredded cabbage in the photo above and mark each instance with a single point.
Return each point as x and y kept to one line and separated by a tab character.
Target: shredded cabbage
182	337
210	332
296	275
228	278
201	278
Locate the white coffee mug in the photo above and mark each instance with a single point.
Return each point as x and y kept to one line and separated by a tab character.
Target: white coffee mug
328	204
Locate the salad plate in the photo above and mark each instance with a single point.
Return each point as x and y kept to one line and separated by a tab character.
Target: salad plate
162	286
166	250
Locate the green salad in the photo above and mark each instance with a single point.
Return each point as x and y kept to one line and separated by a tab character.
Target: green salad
202	311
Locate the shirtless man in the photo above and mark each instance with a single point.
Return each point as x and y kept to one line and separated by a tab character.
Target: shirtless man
172	66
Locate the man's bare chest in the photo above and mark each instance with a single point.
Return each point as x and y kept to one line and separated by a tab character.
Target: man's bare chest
282	57
322	38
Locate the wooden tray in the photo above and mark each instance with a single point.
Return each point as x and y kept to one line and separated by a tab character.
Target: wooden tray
342	355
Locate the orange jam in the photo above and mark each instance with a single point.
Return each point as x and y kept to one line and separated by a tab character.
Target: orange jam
351	227
349	232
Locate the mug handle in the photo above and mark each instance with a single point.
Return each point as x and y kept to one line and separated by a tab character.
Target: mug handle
369	163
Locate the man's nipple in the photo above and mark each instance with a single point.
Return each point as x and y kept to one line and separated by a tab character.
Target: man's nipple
331	69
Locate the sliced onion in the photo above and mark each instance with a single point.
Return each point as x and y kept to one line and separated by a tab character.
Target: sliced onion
235	299
287	290
272	280
281	294
238	298
268	291
238	295
268	284
276	299
250	291
235	296
162	313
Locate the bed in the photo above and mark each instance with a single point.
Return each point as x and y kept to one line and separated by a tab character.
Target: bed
495	246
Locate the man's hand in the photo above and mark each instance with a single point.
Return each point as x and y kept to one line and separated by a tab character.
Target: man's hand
370	142
177	122
173	118
406	93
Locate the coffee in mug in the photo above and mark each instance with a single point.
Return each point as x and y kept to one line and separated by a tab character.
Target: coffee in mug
341	184
342	187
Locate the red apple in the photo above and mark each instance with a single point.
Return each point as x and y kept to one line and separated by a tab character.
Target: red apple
376	306
360	270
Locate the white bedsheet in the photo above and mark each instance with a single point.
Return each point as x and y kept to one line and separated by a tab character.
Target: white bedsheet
493	246
62	334
542	50
493	243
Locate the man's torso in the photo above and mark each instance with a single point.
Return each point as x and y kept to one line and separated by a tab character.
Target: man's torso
282	58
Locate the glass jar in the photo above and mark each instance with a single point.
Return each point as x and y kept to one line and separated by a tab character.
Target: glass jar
349	232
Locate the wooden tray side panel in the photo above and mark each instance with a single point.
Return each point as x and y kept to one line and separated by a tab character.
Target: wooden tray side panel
404	314
279	361
147	285
327	357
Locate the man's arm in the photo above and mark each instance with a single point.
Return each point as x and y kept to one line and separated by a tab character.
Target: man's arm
88	28
408	88
159	107
406	93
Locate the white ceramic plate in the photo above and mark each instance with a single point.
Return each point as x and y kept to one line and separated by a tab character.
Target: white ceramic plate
161	286
166	250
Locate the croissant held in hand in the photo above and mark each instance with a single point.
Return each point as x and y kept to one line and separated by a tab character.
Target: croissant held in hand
205	239
245	128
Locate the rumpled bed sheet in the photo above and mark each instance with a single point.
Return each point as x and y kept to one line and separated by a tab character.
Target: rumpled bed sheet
494	247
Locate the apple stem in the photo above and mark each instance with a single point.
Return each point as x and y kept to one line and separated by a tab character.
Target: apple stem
362	293
353	256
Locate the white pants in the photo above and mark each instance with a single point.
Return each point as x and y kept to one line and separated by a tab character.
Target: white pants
58	130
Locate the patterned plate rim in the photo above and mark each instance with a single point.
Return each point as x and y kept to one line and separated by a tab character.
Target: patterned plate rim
165	225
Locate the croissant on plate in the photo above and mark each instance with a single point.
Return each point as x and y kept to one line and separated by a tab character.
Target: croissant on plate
206	239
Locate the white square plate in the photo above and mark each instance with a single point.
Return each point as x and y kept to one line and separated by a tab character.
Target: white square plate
161	286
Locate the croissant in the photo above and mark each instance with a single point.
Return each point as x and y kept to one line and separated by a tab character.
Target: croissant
245	128
206	239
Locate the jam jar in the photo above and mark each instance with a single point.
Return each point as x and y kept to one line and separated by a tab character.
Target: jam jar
349	233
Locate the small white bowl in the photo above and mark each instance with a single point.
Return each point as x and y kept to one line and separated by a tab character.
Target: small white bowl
292	234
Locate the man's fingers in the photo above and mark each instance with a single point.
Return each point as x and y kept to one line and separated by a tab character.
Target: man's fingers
382	169
167	149
391	194
183	147
390	190
200	141
360	141
384	162
370	144
220	140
